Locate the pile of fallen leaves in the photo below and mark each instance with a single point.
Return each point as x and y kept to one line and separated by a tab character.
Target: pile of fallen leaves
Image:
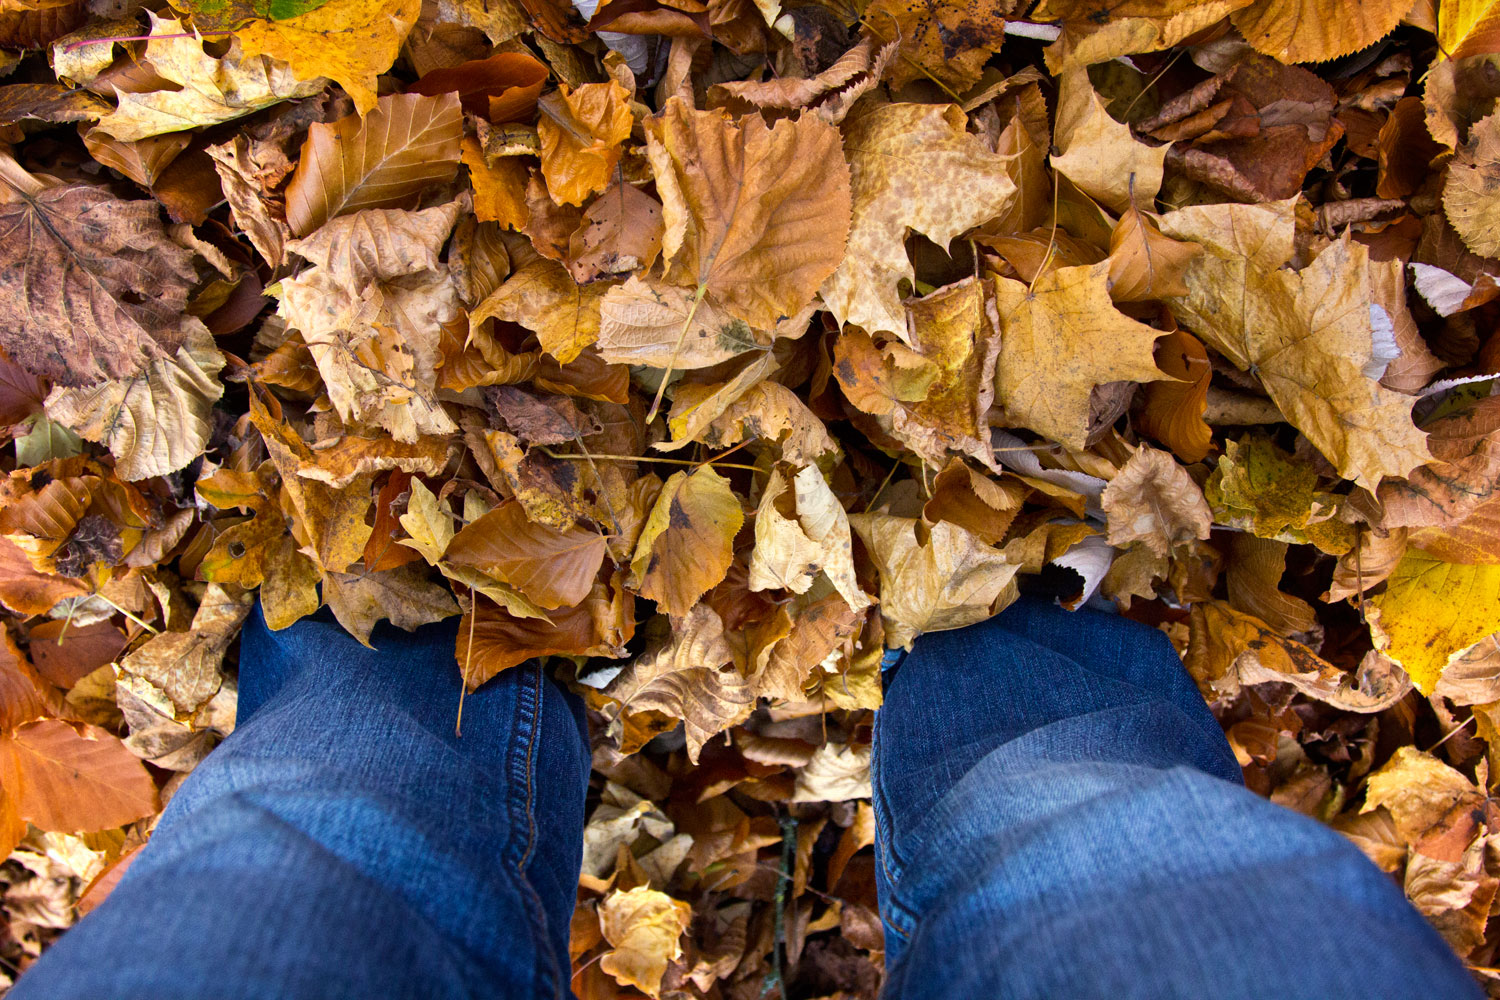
739	342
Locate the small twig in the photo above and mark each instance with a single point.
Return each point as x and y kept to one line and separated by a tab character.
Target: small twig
1451	733
777	978
127	614
883	484
643	458
677	349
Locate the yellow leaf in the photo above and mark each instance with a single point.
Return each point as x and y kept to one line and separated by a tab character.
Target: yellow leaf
791	551
644	928
913	167
1060	338
1432	611
946	580
1310	335
1295	31
208	90
543	297
756	215
348	41
403	595
1100	155
1094	33
581	131
499	188
687	543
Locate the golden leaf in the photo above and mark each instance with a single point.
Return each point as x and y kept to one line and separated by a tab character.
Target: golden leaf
943	581
644	928
1432	611
792	551
1309	335
913	167
581	131
543	297
1100	155
1058	340
1295	31
687	543
347	41
553	568
756	215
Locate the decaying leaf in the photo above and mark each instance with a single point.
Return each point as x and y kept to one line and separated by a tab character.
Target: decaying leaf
644	928
687	542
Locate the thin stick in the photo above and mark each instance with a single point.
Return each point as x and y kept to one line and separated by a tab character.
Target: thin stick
463	680
681	336
127	614
1451	733
883	484
72	607
731	451
1359	576
140	38
644	458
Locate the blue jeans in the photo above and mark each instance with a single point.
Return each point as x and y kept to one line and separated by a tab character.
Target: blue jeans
1058	816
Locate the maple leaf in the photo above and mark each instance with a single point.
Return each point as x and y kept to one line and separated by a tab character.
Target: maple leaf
1309	335
100	286
1100	155
207	90
1059	338
347	41
912	167
755	215
687	542
406	143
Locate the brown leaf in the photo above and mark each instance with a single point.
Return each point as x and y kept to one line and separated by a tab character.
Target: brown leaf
74	779
793	550
543	297
756	215
1173	413
948	40
687	543
1466	444
99	287
1144	264
1154	501
600	626
383	160
404	596
1296	31
621	232
554	568
513	77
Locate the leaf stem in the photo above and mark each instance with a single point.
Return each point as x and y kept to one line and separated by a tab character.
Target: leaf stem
677	349
645	458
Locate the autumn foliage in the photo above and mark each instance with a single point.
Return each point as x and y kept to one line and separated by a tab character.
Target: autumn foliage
736	343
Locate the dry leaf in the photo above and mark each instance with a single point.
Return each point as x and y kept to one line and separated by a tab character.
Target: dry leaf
1154	501
1066	327
687	542
581	132
74	779
756	215
553	568
1295	31
791	552
912	168
382	160
1100	155
1433	610
348	41
644	928
943	581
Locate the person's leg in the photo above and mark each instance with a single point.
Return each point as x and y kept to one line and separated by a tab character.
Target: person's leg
343	842
1059	815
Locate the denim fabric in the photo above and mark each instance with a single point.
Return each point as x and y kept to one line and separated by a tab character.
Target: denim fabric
1058	816
343	843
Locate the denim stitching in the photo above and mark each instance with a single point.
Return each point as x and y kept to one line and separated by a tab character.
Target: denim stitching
532	688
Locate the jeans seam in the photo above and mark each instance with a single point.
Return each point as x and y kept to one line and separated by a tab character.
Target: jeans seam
533	689
529	694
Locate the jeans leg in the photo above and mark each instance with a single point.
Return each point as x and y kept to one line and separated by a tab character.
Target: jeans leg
344	843
1058	815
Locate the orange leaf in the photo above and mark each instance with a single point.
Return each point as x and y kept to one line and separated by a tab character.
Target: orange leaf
553	567
74	779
